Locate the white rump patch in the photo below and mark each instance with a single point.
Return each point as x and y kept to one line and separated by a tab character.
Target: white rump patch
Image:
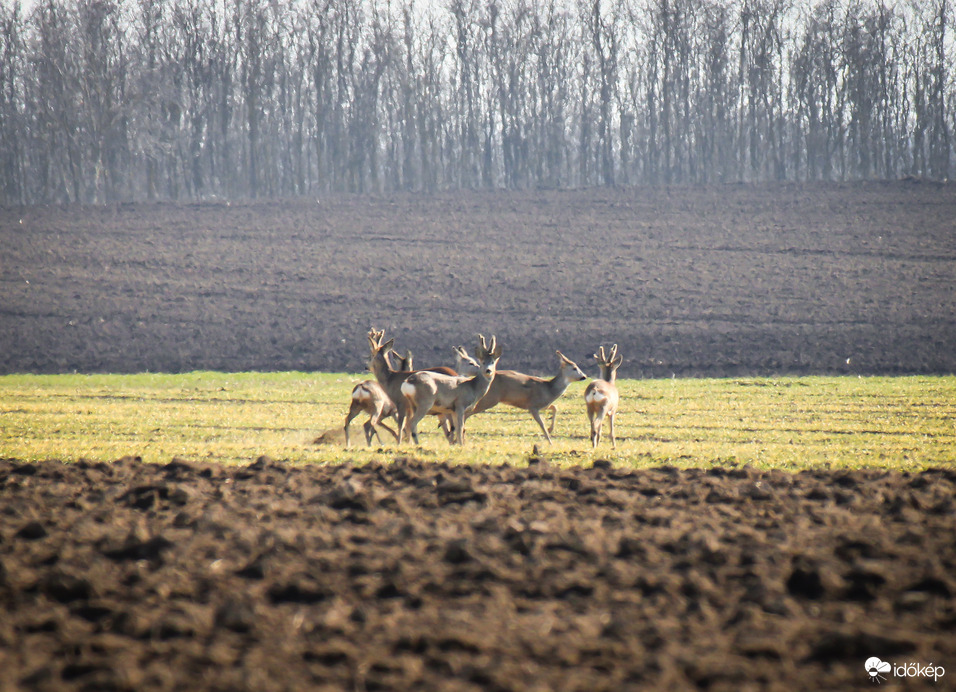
361	394
408	389
593	396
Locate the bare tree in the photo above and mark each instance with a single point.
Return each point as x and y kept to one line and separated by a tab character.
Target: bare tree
143	99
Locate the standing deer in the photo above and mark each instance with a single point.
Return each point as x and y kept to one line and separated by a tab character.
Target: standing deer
391	380
601	395
464	364
369	396
533	394
444	395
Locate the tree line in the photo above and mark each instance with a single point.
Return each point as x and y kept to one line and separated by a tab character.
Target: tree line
110	100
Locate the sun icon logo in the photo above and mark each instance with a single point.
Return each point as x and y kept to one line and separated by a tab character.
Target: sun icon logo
874	667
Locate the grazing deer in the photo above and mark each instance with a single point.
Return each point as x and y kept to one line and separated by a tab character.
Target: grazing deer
369	396
533	394
601	395
445	395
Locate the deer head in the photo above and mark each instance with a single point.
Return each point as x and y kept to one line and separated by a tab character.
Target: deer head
608	363
488	356
403	363
571	369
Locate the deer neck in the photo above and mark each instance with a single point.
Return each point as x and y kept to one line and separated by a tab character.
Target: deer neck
608	374
483	384
380	368
558	384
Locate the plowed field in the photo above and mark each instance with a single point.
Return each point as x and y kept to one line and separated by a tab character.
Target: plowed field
411	576
716	281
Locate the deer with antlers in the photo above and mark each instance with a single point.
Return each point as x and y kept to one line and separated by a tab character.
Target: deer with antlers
445	395
464	365
389	378
601	395
534	394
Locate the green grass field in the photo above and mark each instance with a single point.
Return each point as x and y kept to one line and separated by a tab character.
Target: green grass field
904	423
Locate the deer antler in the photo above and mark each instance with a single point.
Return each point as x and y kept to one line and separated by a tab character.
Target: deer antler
375	337
482	349
485	350
604	358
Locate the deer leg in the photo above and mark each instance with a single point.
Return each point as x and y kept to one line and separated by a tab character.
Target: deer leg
369	431
537	419
374	421
597	419
354	410
554	415
403	416
383	424
419	410
460	425
447	426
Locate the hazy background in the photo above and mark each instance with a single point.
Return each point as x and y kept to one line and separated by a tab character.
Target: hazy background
106	100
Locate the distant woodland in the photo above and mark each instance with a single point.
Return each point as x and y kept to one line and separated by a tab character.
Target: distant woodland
117	100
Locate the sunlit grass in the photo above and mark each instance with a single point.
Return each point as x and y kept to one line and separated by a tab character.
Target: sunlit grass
903	423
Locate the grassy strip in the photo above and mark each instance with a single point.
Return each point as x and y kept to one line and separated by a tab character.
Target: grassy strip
904	423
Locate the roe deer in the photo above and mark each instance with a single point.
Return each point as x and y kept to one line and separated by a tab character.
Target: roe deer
533	394
601	395
369	396
390	379
464	365
401	362
445	395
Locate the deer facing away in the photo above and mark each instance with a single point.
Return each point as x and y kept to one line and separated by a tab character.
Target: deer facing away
445	395
370	397
533	394
601	395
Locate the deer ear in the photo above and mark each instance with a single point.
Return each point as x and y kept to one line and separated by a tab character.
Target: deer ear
387	346
617	362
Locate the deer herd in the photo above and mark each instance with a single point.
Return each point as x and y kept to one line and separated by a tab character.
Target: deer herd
472	386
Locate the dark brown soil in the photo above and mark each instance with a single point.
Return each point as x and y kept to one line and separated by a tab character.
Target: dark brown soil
721	280
414	576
